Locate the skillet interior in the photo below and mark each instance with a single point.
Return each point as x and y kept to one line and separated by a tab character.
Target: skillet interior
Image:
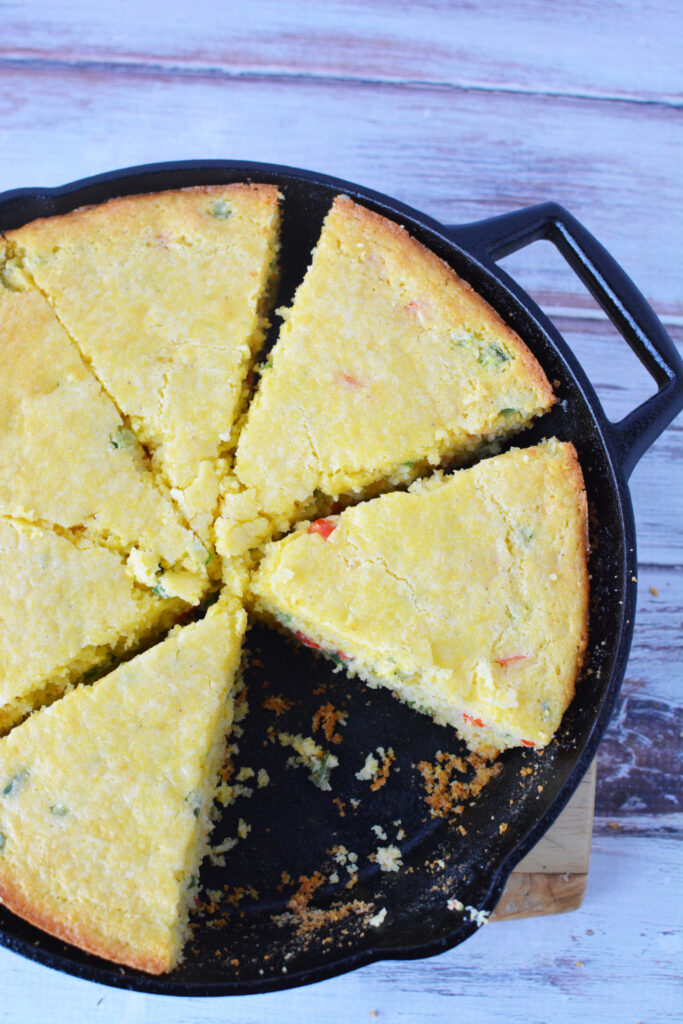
294	825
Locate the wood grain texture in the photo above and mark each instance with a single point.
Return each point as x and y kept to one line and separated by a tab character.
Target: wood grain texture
457	156
612	49
552	878
535	895
462	111
566	846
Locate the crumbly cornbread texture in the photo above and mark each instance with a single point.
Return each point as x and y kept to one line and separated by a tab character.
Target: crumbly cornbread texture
387	363
66	457
68	607
467	595
105	797
167	296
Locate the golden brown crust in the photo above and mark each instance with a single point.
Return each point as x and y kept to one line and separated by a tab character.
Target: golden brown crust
125	208
575	472
410	251
77	933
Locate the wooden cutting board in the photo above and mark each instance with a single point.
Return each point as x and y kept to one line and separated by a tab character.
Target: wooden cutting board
552	878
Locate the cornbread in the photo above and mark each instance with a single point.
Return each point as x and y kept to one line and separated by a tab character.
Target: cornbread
167	296
466	596
105	797
387	364
68	607
130	456
68	460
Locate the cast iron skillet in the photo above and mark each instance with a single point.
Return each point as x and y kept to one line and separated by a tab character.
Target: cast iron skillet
249	941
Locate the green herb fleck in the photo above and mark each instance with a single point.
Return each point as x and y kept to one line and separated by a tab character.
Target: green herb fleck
122	437
3	840
158	589
59	810
194	799
321	770
408	465
209	558
193	881
220	209
492	355
100	669
419	707
15	783
527	535
509	412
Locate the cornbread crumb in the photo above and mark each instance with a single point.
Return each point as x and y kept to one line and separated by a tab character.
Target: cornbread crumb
327	718
369	769
375	771
447	785
389	858
378	919
319	762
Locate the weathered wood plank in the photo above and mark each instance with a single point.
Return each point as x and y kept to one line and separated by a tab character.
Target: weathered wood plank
654	667
534	895
566	846
458	156
639	761
616	48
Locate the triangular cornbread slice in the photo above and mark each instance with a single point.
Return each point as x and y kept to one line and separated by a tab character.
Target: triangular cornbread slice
67	458
467	596
167	296
387	363
68	607
101	838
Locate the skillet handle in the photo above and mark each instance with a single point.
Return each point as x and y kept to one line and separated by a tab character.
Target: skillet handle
611	287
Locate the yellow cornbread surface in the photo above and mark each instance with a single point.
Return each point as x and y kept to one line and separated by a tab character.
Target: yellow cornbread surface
66	457
387	363
67	608
167	296
467	596
105	797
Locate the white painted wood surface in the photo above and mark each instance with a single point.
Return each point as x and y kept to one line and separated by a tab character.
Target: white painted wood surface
462	110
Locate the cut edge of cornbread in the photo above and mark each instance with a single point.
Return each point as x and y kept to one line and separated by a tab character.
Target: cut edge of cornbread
87	666
155	615
145	922
431	689
93	480
192	480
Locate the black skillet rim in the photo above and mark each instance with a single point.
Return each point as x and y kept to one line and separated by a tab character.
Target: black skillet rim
26	204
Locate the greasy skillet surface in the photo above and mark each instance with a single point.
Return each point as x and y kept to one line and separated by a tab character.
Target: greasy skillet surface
248	942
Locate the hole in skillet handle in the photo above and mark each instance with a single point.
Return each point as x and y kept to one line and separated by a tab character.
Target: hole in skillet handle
611	287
